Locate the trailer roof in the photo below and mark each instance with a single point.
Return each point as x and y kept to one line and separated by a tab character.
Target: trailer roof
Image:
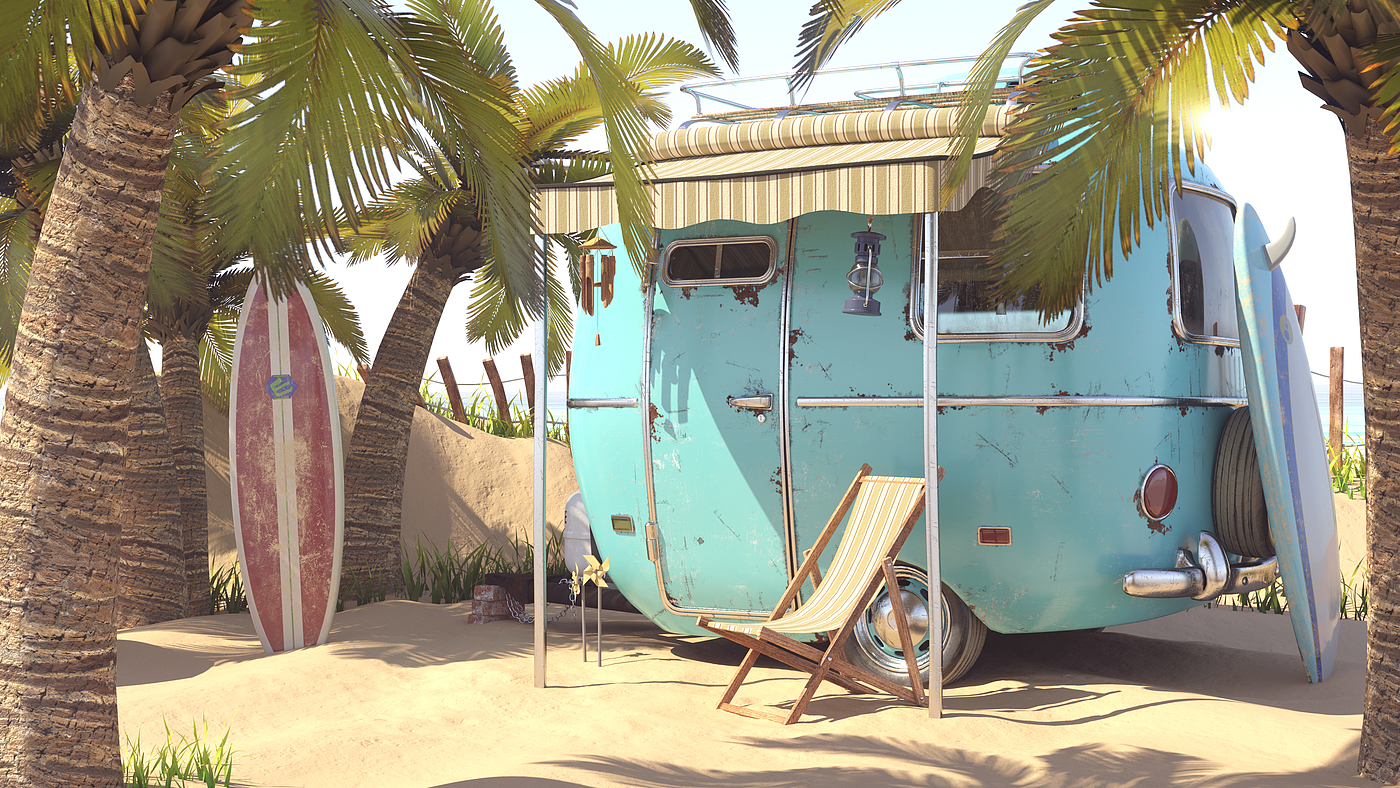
768	171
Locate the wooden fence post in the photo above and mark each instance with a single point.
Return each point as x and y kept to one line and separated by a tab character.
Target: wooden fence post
1334	403
527	365
454	396
1302	312
502	404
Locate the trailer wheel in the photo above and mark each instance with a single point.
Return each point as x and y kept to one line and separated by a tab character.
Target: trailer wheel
874	645
1237	491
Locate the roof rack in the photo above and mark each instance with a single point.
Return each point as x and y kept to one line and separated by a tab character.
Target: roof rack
888	98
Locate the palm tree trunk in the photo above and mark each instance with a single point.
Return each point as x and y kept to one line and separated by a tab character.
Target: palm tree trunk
374	467
1375	197
151	583
184	412
62	443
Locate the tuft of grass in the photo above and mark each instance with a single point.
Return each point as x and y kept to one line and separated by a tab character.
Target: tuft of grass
449	576
226	592
180	760
1348	468
1355	605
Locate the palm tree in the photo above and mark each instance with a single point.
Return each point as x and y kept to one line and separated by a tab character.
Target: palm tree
193	300
327	77
1110	113
439	223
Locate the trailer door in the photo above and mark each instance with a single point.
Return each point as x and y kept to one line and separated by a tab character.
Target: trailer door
715	456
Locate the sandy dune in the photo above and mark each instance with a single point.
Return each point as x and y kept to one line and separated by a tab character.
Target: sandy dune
409	694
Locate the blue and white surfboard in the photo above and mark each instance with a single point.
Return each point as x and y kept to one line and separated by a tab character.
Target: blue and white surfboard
1288	438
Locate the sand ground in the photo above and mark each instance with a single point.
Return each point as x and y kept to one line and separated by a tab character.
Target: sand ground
409	694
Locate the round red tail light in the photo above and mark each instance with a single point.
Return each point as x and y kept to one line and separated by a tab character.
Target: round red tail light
1158	495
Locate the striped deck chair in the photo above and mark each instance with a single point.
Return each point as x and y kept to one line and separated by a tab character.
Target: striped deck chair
883	511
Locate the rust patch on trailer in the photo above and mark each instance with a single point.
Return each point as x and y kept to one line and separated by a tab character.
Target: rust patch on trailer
747	294
794	335
777	479
1069	344
686	292
1040	409
1155	526
651	425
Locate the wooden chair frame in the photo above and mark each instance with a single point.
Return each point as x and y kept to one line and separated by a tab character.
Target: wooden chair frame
831	664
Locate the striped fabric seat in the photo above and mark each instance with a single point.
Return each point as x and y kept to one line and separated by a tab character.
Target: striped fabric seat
879	510
883	510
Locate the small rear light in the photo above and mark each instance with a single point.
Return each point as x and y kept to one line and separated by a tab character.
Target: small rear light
1158	495
993	536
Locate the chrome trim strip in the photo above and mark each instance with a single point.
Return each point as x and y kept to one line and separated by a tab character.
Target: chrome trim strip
601	402
916	321
751	280
650	286
1024	402
1179	324
784	412
1211	191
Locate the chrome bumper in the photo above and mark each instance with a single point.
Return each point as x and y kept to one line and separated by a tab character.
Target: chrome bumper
1204	576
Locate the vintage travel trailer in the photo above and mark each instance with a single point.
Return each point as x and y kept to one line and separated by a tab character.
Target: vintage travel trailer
1100	467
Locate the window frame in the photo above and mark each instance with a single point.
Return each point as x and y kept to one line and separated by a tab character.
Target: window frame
926	242
764	279
1179	322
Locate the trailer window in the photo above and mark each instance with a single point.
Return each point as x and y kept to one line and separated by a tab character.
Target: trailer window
709	261
967	308
1205	267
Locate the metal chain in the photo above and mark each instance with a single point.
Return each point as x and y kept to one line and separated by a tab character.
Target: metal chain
517	611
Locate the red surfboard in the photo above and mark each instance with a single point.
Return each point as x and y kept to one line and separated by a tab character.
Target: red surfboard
287	469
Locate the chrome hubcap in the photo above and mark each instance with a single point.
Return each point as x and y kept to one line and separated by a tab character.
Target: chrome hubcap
877	632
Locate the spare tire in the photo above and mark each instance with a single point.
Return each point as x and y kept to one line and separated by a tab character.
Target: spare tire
1237	491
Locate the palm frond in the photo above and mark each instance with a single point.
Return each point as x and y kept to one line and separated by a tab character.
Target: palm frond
571	169
1109	118
556	113
626	134
44	46
216	358
830	24
1382	67
338	315
326	103
982	80
713	18
467	82
19	235
497	319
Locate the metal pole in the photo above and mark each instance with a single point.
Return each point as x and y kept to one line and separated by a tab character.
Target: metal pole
935	571
541	427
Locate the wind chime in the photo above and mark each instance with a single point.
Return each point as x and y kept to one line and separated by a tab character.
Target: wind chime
596	269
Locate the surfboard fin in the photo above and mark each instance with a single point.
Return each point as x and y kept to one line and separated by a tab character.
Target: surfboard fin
1275	251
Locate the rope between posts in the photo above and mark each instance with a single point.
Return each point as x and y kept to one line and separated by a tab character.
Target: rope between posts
1329	377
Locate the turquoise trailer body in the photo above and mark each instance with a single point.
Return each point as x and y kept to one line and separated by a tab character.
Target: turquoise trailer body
729	401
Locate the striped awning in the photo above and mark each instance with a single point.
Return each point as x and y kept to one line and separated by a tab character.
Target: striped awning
764	172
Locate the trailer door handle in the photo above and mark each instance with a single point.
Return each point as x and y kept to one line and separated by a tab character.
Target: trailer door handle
758	402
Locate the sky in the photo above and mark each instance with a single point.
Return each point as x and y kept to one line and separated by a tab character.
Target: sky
1279	152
